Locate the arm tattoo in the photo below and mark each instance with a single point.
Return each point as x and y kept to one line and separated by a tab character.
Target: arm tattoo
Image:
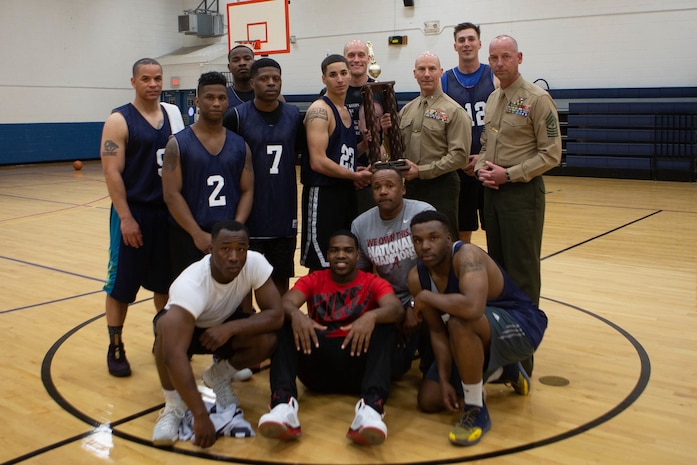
470	262
316	113
110	148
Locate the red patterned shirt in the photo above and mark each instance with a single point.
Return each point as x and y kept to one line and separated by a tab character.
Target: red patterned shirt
335	305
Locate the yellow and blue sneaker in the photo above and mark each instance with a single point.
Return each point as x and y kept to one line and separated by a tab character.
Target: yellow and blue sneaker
473	423
515	376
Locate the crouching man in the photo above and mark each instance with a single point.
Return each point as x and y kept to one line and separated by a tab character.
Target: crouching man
481	325
203	316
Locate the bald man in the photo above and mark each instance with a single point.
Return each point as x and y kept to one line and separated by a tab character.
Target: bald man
521	141
437	135
357	53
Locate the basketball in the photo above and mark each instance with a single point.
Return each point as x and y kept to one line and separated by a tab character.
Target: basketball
77	164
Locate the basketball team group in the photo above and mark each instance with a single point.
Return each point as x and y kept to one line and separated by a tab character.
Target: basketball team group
206	217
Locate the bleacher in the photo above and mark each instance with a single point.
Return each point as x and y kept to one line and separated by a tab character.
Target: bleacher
630	139
631	133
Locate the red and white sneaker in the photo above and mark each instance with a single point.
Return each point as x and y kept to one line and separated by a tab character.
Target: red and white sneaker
281	422
367	428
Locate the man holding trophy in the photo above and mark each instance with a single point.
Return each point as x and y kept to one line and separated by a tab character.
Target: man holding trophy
436	133
363	70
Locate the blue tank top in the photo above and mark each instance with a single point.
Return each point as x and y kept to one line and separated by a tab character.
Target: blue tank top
142	172
471	91
341	149
234	98
210	182
273	147
531	319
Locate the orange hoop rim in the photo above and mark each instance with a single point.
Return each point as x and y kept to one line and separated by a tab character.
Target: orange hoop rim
254	44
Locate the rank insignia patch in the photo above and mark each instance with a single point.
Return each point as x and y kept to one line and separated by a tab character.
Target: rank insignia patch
552	125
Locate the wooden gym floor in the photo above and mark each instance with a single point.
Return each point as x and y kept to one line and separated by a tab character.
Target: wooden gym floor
619	287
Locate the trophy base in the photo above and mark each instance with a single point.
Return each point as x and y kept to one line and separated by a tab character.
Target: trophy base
400	165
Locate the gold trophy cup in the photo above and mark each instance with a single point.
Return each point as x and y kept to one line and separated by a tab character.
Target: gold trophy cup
373	68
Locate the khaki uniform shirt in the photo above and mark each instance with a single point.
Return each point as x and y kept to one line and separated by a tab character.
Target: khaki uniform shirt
437	134
521	131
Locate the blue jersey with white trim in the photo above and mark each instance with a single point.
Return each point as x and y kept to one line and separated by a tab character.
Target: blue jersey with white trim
531	319
341	149
145	149
273	146
471	91
211	182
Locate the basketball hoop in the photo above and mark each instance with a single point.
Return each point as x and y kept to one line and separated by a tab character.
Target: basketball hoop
253	44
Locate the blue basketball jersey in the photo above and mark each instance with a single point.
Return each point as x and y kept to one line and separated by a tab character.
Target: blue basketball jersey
471	91
211	182
145	148
341	149
236	98
273	147
531	319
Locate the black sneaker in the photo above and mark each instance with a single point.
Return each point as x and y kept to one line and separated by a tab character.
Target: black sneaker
117	362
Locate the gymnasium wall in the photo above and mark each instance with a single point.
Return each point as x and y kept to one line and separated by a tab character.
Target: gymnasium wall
68	63
65	65
571	44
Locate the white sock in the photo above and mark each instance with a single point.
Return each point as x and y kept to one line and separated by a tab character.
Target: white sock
173	399
473	394
495	375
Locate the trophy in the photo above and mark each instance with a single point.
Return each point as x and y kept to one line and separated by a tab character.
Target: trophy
373	68
393	137
395	144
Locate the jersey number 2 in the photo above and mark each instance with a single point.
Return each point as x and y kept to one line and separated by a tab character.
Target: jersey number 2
215	199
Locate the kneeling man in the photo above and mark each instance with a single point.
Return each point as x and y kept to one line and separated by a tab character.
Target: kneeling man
481	324
203	316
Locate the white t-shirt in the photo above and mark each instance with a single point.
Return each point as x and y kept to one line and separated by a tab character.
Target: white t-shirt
209	301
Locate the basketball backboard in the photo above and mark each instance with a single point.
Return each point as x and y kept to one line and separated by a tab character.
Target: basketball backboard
261	23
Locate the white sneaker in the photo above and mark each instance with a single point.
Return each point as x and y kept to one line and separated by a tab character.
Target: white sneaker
218	377
367	428
281	422
166	431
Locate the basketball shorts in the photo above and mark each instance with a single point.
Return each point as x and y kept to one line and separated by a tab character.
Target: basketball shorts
325	210
280	253
471	203
195	347
509	344
149	265
182	249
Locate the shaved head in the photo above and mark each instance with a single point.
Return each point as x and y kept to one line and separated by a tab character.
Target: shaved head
503	39
426	55
355	43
